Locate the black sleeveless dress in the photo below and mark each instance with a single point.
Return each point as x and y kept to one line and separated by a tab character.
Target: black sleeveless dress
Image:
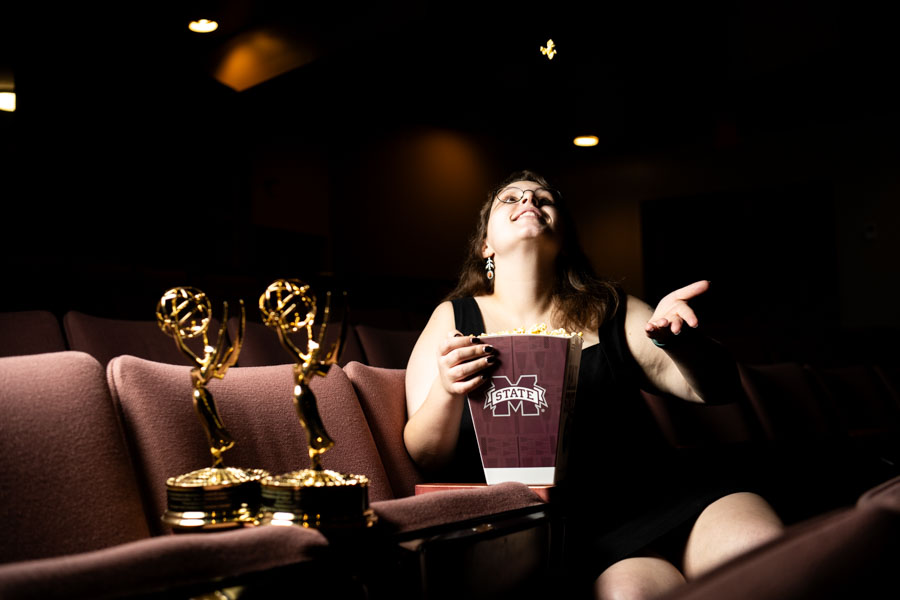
627	487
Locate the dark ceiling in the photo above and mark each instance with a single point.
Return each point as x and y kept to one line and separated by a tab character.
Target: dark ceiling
642	75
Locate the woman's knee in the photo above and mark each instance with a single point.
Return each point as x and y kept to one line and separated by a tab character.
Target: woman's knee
727	528
637	578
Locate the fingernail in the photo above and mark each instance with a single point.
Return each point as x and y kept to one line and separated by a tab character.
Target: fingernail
457	334
490	349
490	360
476	340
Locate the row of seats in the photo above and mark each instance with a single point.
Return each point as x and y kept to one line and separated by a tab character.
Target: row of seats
32	332
848	408
87	450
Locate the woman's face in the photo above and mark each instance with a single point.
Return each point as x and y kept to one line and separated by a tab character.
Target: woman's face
522	211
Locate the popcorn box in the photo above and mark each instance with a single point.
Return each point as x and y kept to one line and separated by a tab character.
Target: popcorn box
521	414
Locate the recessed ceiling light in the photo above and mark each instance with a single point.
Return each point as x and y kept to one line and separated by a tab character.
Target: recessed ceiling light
203	26
586	140
549	50
8	101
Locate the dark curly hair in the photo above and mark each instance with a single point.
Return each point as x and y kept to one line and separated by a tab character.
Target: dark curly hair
581	299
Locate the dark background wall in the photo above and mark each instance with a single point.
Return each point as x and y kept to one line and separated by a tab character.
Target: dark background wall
750	143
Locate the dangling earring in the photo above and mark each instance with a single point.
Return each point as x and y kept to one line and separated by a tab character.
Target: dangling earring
489	268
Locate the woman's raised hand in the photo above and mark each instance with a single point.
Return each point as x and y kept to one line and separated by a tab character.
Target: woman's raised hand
461	360
673	312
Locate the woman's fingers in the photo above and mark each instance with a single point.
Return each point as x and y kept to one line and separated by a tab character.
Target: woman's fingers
461	360
457	371
691	291
465	387
673	320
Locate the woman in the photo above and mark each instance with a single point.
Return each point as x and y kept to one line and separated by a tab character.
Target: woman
644	521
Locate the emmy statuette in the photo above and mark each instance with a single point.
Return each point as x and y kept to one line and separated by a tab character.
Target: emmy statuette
313	497
216	497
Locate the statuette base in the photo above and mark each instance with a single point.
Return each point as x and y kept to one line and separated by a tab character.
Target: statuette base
319	499
213	499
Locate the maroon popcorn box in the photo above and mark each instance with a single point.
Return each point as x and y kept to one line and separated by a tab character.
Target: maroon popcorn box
521	413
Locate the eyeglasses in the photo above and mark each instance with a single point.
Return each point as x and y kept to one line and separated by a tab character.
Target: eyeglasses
540	196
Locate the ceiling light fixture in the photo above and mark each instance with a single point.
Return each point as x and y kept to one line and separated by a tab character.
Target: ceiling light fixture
550	50
203	26
585	141
8	101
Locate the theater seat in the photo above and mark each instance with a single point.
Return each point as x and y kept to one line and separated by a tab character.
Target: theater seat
692	425
67	482
73	524
852	552
30	332
387	348
262	348
382	395
790	403
105	338
256	406
863	401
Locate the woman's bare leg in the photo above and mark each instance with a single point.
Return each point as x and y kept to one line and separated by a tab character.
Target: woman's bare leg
727	528
638	578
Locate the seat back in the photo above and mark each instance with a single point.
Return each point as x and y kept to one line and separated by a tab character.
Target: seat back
30	332
255	403
692	425
863	401
790	404
262	348
66	479
387	348
382	394
105	339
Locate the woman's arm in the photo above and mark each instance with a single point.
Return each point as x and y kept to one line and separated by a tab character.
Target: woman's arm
444	366
685	363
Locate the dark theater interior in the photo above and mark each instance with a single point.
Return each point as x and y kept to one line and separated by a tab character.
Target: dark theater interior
350	146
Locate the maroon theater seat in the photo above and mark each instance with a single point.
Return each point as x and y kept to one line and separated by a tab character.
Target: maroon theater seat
105	338
886	495
30	332
847	553
256	406
693	425
382	394
387	348
863	401
262	348
790	403
73	524
66	480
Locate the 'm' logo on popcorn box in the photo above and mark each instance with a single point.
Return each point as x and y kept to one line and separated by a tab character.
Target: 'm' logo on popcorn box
524	396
